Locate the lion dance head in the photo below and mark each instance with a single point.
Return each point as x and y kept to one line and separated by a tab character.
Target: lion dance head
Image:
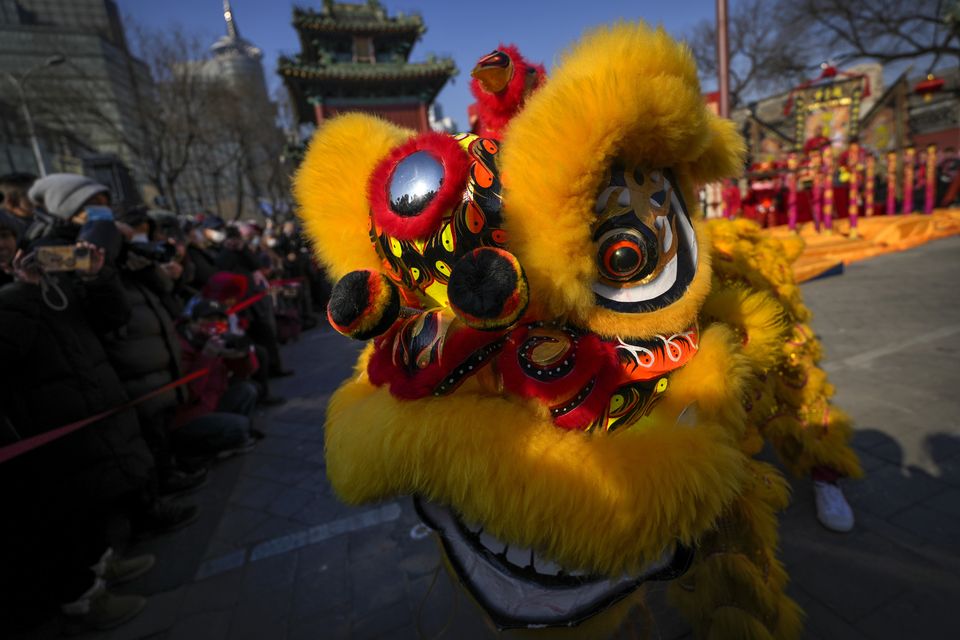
537	374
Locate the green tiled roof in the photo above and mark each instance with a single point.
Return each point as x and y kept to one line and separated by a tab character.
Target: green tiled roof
356	18
438	68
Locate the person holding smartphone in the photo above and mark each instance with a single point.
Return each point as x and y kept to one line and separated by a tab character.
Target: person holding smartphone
57	497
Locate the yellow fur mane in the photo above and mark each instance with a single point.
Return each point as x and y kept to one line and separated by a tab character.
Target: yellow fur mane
627	92
331	189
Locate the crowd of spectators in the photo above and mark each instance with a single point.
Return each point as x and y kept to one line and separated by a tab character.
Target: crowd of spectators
163	329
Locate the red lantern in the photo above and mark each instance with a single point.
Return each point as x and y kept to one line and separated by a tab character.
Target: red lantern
928	87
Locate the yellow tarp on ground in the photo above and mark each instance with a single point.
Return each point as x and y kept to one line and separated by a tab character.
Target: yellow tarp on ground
874	236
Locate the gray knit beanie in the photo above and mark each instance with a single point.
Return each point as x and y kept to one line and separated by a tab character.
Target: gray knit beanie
64	194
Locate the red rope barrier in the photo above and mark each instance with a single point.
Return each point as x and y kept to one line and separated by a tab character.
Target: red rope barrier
257	297
243	304
283	282
28	444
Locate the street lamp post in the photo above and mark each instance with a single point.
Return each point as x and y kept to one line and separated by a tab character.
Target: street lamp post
723	59
19	82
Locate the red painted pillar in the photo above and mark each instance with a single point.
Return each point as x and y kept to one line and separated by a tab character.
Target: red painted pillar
853	166
891	183
816	202
910	157
930	179
424	119
827	211
792	165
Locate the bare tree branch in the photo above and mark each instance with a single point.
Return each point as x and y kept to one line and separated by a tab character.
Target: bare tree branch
882	30
763	56
186	130
773	45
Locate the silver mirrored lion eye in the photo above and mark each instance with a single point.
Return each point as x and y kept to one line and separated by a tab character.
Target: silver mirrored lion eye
415	181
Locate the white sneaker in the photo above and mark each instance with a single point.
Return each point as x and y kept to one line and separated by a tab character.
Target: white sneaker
833	510
81	606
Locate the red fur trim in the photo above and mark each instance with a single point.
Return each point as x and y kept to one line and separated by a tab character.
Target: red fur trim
458	345
591	356
494	110
455	163
515	305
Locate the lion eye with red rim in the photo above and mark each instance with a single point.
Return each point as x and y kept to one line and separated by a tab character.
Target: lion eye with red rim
414	183
622	255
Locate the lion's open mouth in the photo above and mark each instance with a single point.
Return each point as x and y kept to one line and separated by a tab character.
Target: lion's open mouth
520	589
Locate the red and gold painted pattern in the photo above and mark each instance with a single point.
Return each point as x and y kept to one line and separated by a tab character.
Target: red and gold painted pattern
423	264
589	383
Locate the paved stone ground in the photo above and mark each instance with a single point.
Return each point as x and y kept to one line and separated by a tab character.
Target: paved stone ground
276	556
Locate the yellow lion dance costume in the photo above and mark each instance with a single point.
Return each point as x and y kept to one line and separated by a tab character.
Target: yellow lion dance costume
564	369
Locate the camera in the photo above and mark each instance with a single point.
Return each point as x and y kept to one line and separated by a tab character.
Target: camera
63	258
153	251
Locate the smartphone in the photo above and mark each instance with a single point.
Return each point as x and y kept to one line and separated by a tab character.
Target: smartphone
64	258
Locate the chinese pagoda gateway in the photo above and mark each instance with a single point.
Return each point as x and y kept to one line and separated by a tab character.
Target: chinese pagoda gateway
356	58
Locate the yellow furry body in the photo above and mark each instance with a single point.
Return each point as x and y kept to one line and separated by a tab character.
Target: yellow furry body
789	400
736	587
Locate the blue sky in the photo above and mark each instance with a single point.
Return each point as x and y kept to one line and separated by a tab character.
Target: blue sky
462	30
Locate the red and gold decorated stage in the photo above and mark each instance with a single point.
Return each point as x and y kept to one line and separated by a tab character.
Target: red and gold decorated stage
875	235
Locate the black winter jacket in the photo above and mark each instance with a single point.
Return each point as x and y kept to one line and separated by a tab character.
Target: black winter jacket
146	351
203	266
54	371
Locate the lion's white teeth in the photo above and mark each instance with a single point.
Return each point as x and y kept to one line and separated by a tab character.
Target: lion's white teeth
624	199
545	567
491	543
519	557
